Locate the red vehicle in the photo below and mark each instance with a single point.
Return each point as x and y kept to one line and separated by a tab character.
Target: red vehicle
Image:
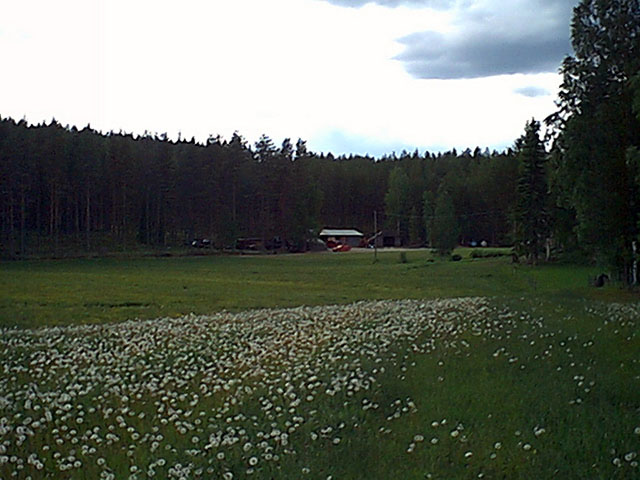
342	248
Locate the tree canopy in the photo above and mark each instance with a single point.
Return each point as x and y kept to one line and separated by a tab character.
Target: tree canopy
595	127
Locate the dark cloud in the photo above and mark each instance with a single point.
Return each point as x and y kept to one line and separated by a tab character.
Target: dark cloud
493	38
532	91
490	37
430	55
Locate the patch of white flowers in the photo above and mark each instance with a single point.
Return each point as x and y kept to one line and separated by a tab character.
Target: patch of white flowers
175	391
199	396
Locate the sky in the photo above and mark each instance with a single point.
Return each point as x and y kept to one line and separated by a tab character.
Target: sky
348	76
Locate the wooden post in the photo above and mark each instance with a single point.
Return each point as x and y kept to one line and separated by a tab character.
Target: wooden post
375	236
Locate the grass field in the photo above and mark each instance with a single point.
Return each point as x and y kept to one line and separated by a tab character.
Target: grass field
60	292
426	369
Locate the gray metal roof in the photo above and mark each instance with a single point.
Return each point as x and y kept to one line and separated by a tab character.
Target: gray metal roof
330	232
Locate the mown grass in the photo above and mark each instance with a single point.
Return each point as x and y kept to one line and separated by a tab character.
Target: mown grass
59	292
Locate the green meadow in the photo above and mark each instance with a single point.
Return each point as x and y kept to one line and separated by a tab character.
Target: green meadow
316	366
63	292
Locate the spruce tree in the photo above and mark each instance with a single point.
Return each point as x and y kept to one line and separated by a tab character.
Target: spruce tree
594	128
428	212
444	228
396	201
532	225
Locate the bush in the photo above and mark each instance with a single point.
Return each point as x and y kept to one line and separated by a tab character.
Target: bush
487	254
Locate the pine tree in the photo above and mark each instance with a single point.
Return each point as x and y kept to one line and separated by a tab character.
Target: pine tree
428	211
397	201
532	225
415	230
444	228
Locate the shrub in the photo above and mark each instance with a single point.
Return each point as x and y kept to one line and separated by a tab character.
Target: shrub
487	254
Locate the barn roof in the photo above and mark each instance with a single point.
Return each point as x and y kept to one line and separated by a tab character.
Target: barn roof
334	232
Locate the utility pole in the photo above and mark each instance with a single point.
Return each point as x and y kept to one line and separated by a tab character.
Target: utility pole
375	236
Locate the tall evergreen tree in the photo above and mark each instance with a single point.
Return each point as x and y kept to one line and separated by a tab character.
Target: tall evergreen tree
428	212
594	128
532	225
444	228
397	201
415	227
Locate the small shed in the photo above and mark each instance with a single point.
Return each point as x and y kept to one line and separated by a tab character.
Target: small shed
387	238
350	237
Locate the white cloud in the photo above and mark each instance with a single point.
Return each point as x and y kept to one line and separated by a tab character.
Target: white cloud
287	68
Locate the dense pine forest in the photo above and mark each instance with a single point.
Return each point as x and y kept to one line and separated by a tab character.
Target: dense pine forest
61	185
573	188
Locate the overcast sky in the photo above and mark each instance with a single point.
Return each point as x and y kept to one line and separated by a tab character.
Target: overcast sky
348	76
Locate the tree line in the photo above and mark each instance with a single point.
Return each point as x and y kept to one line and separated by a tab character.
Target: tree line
61	187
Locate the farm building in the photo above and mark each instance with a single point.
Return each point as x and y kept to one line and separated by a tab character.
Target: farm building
332	237
387	238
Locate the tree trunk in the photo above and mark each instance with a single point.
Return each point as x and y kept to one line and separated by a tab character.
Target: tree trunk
634	268
38	226
76	213
56	222
12	245
123	227
87	227
147	222
51	209
22	222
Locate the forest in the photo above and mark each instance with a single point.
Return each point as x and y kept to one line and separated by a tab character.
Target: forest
572	190
60	184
